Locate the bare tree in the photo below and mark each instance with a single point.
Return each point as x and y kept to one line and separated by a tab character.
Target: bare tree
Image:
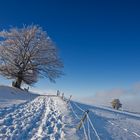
28	53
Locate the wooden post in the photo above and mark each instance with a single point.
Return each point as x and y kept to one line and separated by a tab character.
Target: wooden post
69	99
82	120
62	96
58	93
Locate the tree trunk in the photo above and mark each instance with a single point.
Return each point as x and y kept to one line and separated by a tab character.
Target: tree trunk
18	82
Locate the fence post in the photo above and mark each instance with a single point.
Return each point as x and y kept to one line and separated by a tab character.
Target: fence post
69	99
58	93
83	119
62	96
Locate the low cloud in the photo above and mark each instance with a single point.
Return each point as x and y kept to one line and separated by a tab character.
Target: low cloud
130	98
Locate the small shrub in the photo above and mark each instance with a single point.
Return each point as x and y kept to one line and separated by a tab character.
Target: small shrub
116	104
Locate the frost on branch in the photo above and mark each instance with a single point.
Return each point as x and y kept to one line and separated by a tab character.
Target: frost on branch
28	53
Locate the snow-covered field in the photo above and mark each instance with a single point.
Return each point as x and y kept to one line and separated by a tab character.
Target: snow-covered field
26	116
34	117
108	124
11	96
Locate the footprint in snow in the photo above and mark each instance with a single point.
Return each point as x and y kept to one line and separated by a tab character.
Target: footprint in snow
8	121
50	130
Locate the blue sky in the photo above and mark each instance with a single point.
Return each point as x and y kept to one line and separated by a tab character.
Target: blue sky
98	40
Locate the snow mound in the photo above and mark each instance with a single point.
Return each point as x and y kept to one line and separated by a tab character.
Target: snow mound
10	96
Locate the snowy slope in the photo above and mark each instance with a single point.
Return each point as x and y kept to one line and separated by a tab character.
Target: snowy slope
108	124
26	116
32	117
41	119
10	96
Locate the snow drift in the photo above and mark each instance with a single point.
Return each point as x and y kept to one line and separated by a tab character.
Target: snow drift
11	95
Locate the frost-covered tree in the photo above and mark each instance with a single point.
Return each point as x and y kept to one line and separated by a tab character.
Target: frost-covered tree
116	104
28	53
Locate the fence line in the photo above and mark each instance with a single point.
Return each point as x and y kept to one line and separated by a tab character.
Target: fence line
82	119
89	122
85	131
78	107
79	119
74	111
88	129
93	128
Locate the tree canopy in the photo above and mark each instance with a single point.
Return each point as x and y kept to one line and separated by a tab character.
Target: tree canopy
28	53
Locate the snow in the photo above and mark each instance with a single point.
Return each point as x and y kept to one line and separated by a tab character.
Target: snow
27	116
110	124
11	96
43	117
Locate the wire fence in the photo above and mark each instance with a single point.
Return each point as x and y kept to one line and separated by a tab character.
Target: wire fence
87	126
88	122
85	121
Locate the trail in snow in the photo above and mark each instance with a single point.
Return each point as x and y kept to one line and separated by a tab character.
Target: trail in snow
42	118
51	125
50	118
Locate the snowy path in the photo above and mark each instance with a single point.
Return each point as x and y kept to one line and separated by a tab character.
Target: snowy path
50	118
41	119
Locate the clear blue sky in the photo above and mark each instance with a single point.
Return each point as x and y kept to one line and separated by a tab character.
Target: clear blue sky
98	40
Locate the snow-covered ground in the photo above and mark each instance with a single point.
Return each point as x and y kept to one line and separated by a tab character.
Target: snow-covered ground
32	117
41	118
11	96
108	124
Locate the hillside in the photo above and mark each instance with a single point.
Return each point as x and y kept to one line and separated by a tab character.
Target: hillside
108	124
10	96
26	116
